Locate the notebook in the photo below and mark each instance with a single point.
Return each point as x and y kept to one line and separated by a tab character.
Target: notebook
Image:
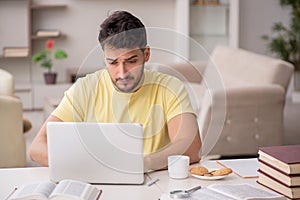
106	153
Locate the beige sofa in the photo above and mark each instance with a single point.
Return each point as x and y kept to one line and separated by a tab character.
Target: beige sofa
243	111
12	143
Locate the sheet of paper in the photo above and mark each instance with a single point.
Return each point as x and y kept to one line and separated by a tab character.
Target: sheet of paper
245	168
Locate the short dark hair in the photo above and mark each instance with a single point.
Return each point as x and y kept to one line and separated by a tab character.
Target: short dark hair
122	30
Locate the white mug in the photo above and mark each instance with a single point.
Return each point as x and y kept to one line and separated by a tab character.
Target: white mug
178	166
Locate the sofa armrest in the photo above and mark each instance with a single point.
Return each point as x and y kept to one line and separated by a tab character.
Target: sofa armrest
12	143
241	96
259	95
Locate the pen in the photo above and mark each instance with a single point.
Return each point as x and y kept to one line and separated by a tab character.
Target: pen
152	181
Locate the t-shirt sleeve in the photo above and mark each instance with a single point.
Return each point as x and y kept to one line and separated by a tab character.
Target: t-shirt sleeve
178	101
71	107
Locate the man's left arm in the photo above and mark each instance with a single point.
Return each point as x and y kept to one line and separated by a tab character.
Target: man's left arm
183	129
185	140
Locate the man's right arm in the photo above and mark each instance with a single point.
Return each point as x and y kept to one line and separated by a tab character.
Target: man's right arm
38	150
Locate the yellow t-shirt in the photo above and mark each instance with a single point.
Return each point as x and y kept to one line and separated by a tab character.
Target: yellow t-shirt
160	98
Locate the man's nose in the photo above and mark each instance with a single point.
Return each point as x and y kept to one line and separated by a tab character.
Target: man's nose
122	70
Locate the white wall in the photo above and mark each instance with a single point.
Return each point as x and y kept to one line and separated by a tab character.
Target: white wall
256	19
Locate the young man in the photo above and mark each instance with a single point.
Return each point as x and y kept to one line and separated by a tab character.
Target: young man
126	92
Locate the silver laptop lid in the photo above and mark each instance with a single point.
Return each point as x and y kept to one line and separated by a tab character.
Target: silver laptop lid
110	153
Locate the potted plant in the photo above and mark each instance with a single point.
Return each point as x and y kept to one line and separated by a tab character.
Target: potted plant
45	59
285	42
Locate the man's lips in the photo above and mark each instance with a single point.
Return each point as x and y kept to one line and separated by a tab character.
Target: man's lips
125	80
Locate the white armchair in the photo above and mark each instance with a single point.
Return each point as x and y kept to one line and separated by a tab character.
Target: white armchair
12	143
255	88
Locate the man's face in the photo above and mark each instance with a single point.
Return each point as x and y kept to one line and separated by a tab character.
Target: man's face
126	67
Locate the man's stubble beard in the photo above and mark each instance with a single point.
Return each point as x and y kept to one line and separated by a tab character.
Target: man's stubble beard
135	85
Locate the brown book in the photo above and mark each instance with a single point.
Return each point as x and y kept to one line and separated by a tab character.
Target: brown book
287	179
47	33
271	183
284	158
15	51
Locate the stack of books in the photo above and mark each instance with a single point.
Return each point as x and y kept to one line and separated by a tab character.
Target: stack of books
279	169
15	51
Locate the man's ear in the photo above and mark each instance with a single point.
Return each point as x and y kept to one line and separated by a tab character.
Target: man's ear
147	53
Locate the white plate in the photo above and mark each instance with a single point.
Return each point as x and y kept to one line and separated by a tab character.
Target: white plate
209	177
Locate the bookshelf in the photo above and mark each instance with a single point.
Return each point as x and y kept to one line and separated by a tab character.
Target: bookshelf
19	41
14	32
35	9
15	38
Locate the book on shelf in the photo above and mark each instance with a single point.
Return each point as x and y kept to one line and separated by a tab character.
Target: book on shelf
287	179
284	158
65	189
47	33
292	192
231	192
15	51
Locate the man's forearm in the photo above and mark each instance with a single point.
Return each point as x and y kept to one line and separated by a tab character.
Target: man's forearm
185	140
159	160
39	148
39	153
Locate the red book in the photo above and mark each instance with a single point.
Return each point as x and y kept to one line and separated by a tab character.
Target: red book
284	158
271	183
286	179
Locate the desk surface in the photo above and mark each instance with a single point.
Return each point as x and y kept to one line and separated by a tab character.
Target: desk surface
15	177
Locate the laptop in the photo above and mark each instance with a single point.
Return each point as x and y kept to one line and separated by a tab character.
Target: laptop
105	153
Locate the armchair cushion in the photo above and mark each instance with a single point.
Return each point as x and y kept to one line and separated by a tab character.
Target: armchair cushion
12	143
7	83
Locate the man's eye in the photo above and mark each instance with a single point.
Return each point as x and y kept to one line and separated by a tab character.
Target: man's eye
112	63
132	61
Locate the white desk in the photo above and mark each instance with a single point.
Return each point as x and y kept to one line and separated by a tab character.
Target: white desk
11	178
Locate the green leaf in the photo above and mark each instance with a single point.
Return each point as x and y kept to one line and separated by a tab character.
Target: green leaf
37	57
285	40
60	54
277	27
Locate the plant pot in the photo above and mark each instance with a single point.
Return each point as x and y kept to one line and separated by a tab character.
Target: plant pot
50	77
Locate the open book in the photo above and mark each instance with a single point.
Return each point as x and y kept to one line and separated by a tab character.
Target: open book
245	168
65	189
231	192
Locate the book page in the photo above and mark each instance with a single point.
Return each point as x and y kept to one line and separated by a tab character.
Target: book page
42	189
202	194
245	192
246	168
207	194
72	188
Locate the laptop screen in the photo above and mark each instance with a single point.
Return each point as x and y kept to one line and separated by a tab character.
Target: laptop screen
109	153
